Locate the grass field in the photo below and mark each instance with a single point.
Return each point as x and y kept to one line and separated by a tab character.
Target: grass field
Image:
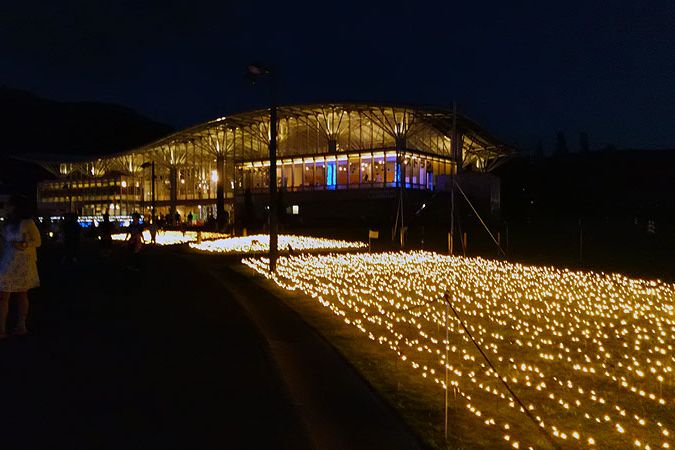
589	354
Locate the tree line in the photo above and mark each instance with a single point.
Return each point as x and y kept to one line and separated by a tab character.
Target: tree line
561	147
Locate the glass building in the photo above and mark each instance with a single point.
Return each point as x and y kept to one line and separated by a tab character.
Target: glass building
324	147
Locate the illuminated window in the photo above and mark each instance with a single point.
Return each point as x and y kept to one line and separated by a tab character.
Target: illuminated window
331	176
320	175
392	170
342	173
378	169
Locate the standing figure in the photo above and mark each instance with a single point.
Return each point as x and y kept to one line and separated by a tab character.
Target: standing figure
18	265
71	237
105	230
153	232
135	240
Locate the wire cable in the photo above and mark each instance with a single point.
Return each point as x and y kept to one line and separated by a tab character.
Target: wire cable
480	218
537	423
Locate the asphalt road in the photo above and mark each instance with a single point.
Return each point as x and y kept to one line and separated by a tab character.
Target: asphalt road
176	356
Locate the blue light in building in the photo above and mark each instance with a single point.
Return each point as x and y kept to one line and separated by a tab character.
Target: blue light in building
331	175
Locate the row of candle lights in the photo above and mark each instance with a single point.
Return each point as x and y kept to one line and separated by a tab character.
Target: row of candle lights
172	237
260	243
590	354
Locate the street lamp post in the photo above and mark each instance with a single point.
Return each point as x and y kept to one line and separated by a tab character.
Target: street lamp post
145	165
273	189
220	192
256	71
454	151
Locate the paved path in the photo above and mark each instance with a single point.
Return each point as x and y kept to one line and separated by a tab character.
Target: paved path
168	358
337	406
120	360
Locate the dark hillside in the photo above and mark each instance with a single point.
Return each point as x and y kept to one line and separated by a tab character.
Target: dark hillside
603	184
33	125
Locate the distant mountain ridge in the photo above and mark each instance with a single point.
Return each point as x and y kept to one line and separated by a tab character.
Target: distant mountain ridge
32	124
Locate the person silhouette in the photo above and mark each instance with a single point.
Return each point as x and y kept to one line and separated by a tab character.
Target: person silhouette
18	265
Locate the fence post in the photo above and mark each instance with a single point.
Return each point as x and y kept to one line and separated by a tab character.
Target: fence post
581	242
447	344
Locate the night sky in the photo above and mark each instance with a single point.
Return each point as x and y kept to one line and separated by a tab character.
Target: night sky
523	71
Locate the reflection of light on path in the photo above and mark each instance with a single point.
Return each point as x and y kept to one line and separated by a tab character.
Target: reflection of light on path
260	243
590	354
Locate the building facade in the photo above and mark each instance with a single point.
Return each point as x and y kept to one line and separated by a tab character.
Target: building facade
321	148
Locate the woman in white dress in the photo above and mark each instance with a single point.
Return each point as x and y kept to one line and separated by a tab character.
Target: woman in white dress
18	263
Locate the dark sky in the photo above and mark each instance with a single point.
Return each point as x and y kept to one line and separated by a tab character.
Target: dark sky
523	70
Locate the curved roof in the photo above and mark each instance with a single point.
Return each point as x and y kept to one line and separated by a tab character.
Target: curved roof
438	117
246	134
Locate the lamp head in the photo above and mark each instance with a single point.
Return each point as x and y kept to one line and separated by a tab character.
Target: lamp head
254	71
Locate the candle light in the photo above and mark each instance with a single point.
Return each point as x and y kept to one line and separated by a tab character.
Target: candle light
590	354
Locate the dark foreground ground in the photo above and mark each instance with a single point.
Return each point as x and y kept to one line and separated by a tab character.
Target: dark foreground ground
183	354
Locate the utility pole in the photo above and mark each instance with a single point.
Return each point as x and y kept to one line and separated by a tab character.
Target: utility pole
453	144
274	253
220	190
145	165
581	242
256	71
152	174
399	173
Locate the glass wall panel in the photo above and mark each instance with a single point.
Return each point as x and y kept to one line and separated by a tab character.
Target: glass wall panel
247	179
391	169
378	169
287	175
407	170
262	178
342	173
415	171
354	172
256	184
309	174
196	179
423	173
298	175
331	175
430	176
320	174
366	169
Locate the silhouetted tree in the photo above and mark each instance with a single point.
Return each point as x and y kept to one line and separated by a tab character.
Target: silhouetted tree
560	143
583	142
